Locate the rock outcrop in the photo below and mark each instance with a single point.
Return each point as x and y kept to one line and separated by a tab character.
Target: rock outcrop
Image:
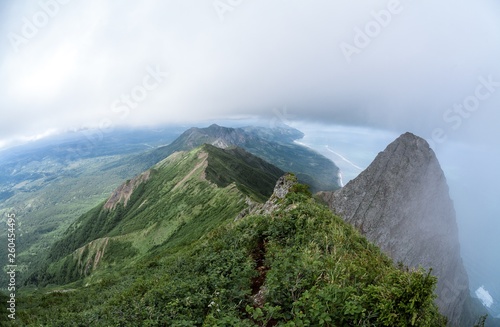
401	203
123	192
282	188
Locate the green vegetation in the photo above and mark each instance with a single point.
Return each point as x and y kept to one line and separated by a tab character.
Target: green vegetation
252	175
46	207
179	203
51	184
173	255
299	266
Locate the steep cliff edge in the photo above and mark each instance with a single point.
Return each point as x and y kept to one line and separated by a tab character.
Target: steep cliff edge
401	203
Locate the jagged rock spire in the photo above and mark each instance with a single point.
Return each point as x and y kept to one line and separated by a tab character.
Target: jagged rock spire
401	203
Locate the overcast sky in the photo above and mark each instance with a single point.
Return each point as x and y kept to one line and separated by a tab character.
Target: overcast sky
72	63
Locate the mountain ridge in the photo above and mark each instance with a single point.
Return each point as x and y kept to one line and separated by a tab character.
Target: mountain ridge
54	182
289	262
275	146
172	195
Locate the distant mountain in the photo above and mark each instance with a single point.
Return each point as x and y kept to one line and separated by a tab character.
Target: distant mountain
274	145
401	203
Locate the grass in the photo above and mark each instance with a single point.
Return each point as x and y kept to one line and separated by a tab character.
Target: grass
319	271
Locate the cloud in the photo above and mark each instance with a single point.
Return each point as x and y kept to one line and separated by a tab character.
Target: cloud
484	296
261	56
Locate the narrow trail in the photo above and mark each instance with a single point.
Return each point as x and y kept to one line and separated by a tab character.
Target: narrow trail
258	288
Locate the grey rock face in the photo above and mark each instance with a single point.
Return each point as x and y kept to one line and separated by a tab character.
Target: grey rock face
401	203
282	188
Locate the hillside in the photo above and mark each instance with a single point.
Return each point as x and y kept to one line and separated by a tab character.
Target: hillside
174	202
51	182
297	265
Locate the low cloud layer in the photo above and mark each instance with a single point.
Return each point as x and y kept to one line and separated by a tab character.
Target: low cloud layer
399	65
484	296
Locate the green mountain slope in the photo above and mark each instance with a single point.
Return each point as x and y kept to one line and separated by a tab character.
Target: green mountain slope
299	265
174	202
275	145
51	183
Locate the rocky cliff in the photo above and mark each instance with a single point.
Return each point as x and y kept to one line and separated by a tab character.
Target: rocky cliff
283	186
401	203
